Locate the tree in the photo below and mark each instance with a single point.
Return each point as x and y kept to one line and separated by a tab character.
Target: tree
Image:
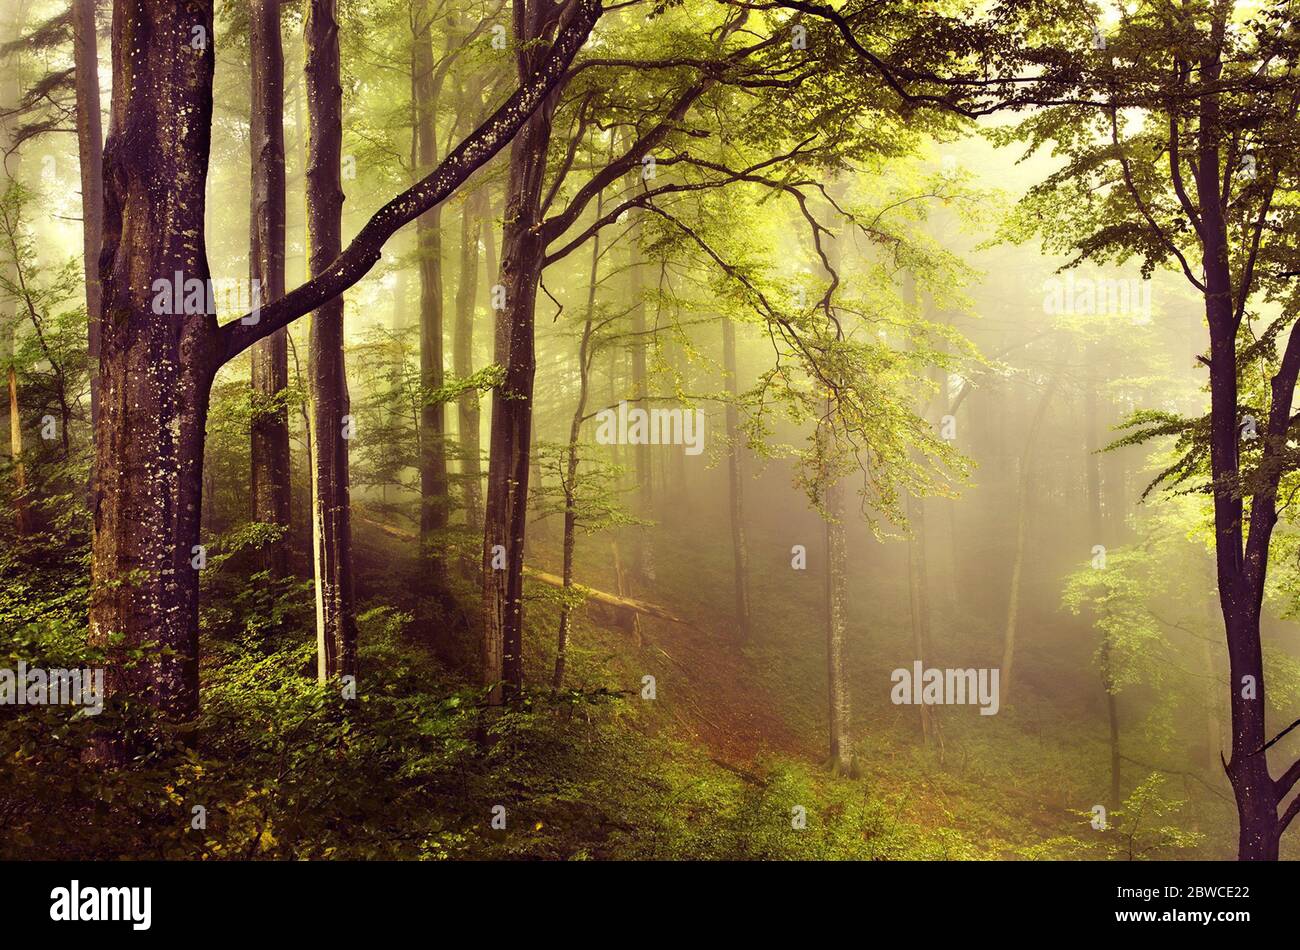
157	367
426	85
1190	163
736	484
841	720
331	419
270	489
10	92
90	151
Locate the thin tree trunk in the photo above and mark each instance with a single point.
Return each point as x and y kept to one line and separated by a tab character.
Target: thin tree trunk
1022	530
270	488
300	144
22	518
467	408
336	633
90	152
1112	718
643	495
1096	525
433	452
736	485
10	94
918	587
571	458
841	742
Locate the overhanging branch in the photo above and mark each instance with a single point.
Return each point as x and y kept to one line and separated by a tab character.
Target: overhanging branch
365	249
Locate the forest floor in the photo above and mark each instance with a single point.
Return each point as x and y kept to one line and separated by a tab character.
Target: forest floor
1019	784
713	768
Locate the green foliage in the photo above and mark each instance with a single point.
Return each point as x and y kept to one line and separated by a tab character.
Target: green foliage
1139	828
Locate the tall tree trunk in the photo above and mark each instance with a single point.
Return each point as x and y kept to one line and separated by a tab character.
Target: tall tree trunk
1096	526
467	409
1023	485
22	517
270	488
10	94
643	496
571	459
841	742
156	368
512	404
1240	571
90	152
336	632
736	484
918	588
300	145
918	567
433	451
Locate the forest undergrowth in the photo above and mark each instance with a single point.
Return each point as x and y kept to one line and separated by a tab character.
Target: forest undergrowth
721	763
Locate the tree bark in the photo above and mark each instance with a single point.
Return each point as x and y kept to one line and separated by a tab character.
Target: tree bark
841	742
10	94
155	368
22	519
522	253
918	588
1240	571
270	487
336	633
467	410
643	496
433	451
90	152
736	485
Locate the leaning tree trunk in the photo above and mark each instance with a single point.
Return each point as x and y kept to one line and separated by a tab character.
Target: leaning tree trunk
90	152
336	632
736	485
156	367
270	487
